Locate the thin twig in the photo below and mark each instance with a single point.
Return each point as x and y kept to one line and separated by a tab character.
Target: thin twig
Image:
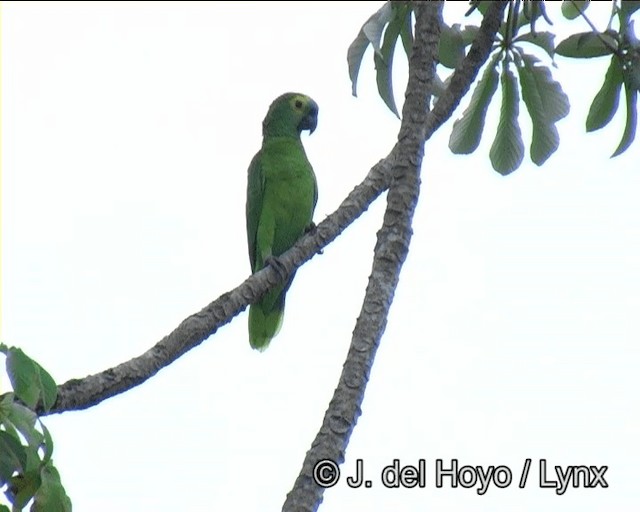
594	29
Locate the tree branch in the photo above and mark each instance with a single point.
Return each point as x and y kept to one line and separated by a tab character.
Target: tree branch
78	394
393	238
390	252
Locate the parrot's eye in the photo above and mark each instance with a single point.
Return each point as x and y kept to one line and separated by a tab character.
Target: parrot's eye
298	104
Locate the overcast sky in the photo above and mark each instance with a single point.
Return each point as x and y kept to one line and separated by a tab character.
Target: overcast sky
127	132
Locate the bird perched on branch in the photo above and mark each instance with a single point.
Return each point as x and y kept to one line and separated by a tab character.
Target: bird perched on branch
281	196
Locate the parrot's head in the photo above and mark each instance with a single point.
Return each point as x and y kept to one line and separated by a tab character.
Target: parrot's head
290	114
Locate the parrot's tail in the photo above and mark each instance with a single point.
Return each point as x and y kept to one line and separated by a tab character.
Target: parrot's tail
265	320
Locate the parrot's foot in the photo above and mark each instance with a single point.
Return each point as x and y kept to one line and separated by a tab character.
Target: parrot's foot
276	265
311	230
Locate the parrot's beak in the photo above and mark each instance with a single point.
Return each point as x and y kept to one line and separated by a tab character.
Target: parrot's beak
310	121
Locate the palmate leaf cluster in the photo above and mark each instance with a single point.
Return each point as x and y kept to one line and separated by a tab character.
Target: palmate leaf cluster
516	68
624	68
27	473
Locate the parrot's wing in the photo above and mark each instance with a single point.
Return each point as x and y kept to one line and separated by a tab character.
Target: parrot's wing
255	196
315	194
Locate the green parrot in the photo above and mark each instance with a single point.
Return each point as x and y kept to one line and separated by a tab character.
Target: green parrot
281	196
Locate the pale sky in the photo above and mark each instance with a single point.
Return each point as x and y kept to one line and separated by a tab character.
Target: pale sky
127	132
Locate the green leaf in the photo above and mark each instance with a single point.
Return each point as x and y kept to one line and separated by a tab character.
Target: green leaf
30	381
51	494
451	46
572	9
632	121
631	51
524	18
632	72
13	456
545	102
481	5
467	131
531	11
586	45
6	401
507	150
605	103
545	138
628	7
374	26
544	40
370	33
354	59
48	444
48	388
406	33
23	487
384	60
469	33
4	508
554	100
24	421
23	375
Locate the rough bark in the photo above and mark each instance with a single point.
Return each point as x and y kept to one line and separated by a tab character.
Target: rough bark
390	252
394	238
78	394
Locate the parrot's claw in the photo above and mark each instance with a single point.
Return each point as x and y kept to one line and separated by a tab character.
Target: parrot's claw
311	230
276	265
